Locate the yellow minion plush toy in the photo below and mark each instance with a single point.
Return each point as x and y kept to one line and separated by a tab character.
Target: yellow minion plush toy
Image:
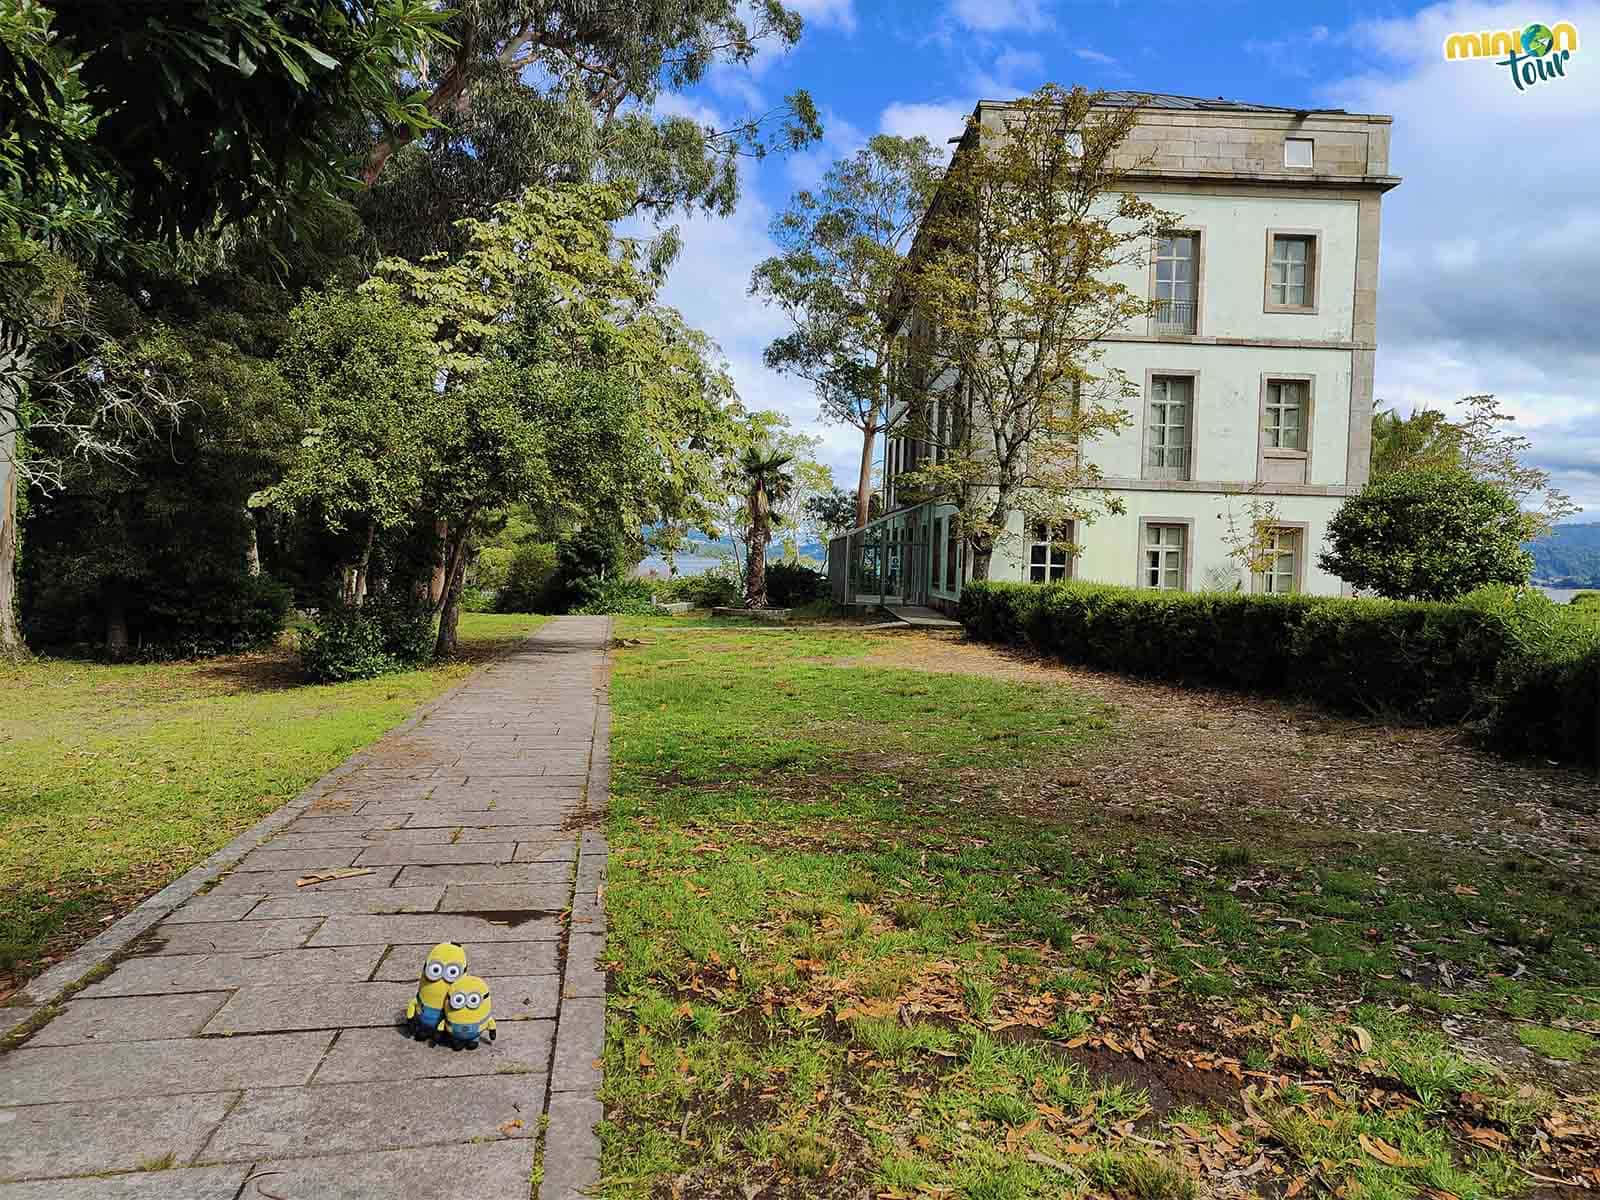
446	964
466	1014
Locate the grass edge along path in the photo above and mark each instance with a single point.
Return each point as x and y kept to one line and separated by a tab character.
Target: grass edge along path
117	778
840	967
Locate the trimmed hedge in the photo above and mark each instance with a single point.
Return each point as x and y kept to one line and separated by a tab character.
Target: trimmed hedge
1518	669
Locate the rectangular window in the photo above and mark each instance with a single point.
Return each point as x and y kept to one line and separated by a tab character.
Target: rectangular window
1282	562
1163	564
1167	440
1298	152
1047	553
1284	425
1291	271
1176	282
938	555
952	564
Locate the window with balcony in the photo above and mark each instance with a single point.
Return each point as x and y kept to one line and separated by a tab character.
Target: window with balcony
1177	282
1291	272
1048	561
1163	557
1167	439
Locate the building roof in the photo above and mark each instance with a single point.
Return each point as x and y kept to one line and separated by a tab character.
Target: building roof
1170	100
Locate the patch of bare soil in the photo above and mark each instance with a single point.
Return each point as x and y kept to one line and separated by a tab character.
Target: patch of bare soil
1195	755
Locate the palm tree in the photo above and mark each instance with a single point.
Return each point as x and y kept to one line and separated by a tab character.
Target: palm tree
768	483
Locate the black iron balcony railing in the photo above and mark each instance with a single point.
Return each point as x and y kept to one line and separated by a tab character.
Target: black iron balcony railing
1174	316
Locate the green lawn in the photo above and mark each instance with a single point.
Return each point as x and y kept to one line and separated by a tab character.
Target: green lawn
114	780
851	956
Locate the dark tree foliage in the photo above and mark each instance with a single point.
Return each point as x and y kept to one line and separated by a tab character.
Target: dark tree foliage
1428	535
216	110
550	91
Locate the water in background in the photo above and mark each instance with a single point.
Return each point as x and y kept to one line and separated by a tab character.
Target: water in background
687	564
1561	595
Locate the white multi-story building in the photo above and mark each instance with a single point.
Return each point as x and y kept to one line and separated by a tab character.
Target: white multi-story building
1255	373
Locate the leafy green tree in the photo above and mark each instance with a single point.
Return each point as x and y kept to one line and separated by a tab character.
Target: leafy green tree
837	278
833	512
1012	291
1481	442
559	91
767	482
120	122
188	114
1431	534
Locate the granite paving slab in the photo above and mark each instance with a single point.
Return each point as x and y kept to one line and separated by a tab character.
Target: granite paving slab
521	1048
490	1169
62	1073
131	1019
158	974
87	1136
201	1183
271	1122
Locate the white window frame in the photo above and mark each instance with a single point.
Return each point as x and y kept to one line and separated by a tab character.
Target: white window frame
1279	282
1157	436
1157	284
1277	581
1159	539
1311	153
1275	408
1046	556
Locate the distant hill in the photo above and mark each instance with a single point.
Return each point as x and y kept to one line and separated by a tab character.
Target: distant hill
1569	557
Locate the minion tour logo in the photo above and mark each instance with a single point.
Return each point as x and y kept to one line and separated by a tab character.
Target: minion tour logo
1532	55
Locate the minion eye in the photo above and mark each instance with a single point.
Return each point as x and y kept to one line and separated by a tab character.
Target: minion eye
452	972
434	970
458	1000
473	999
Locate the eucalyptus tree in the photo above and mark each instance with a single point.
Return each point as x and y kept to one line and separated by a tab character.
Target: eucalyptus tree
837	277
536	92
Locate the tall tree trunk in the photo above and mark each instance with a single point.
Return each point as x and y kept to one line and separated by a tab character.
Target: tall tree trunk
755	574
869	437
441	530
359	589
449	641
116	609
11	643
252	549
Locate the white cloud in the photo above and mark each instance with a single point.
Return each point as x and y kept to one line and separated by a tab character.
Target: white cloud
997	16
1490	241
709	285
938	122
1094	56
823	14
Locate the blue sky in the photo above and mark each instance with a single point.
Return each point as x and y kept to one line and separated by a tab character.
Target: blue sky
1491	247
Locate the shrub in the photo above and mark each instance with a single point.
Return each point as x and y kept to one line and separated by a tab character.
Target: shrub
619	597
1518	669
220	615
387	633
1428	535
527	580
711	590
793	585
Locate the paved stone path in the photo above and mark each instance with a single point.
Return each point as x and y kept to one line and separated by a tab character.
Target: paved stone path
249	1044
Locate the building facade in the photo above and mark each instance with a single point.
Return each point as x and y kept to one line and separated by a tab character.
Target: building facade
1255	372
